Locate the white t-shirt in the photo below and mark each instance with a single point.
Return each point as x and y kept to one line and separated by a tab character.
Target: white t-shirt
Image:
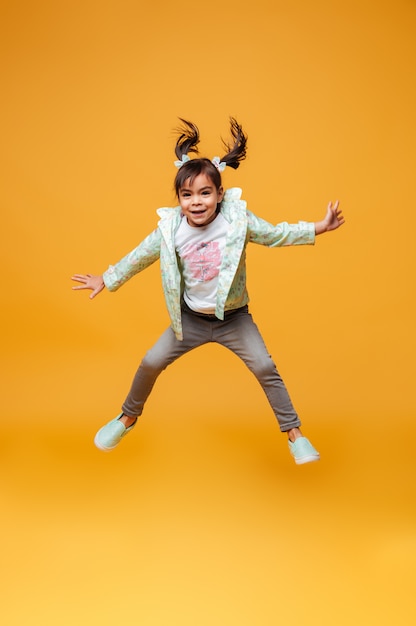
200	250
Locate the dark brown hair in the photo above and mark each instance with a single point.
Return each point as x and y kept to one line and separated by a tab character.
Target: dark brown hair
188	141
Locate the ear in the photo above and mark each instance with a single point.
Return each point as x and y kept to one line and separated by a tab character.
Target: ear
220	194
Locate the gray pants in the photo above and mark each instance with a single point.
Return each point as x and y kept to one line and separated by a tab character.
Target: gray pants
238	333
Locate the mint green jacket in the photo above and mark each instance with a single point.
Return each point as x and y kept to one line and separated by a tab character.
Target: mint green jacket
245	227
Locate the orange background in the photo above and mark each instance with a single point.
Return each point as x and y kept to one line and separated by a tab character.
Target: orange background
201	517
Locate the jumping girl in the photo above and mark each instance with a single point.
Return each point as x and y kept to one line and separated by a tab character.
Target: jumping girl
201	246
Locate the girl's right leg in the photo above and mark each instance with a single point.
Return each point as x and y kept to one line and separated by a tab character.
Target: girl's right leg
166	350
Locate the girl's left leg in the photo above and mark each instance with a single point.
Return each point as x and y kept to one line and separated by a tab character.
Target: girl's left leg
240	334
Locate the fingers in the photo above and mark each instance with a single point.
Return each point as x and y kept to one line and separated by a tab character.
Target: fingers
84	279
336	211
333	207
81	278
334	217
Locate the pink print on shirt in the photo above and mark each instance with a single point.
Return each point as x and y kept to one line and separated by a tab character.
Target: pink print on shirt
203	260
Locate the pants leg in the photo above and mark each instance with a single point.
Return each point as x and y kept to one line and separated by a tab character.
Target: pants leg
240	334
164	352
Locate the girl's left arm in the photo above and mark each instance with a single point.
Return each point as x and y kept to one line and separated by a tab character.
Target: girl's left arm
332	220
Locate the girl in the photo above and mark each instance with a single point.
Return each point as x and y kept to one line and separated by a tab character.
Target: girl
201	246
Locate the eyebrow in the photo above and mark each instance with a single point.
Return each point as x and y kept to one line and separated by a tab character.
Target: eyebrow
205	188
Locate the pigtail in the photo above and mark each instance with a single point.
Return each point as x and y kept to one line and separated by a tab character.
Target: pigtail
188	168
236	149
188	139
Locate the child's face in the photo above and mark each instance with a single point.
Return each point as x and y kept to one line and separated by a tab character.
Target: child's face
199	200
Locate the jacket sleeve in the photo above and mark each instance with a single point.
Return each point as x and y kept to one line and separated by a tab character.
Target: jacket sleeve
283	234
146	253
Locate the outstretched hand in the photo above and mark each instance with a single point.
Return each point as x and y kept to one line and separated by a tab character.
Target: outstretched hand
332	220
89	281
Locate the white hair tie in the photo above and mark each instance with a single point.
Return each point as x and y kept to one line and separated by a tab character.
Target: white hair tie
220	165
185	159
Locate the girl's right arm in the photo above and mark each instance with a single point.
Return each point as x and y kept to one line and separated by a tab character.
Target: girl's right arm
146	253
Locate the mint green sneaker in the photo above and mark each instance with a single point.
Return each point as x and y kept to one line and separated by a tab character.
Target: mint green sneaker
303	451
110	435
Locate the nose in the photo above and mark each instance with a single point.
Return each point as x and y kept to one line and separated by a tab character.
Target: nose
196	200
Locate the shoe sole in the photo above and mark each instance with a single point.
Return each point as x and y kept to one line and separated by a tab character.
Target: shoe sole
101	447
307	459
